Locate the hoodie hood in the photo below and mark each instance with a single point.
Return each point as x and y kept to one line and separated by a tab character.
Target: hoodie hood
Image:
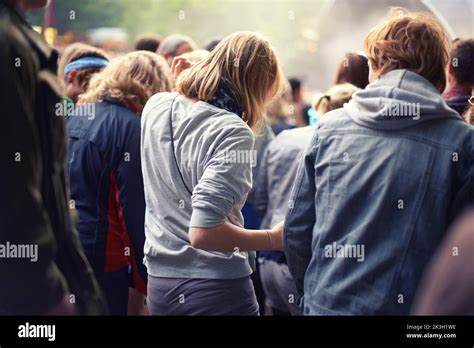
398	99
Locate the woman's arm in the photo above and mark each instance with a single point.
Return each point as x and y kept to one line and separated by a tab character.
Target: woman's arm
228	237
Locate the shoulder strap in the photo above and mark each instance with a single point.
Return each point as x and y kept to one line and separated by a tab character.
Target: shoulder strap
172	146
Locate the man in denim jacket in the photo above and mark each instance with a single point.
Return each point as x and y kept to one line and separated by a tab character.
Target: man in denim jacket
381	180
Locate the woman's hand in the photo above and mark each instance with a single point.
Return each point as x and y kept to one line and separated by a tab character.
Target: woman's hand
276	236
178	65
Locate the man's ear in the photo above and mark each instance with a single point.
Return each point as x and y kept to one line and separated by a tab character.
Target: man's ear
450	68
71	76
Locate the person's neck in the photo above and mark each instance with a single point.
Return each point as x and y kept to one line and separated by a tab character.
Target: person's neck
454	85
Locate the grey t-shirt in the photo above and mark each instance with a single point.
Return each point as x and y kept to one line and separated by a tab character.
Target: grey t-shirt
213	149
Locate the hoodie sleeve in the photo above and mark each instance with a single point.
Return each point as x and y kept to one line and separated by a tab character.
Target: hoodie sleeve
301	217
227	177
464	196
261	188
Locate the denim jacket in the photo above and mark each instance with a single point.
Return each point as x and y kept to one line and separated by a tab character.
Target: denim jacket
377	187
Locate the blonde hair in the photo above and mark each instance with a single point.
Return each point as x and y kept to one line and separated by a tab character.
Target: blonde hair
248	63
134	77
409	41
469	115
334	98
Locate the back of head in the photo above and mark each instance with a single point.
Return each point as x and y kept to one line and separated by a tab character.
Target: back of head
147	42
83	74
334	98
132	78
462	55
354	69
212	43
172	46
247	64
409	41
76	51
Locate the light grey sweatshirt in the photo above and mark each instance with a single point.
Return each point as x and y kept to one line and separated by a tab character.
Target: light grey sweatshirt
213	160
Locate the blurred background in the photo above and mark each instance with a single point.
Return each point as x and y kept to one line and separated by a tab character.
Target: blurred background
310	36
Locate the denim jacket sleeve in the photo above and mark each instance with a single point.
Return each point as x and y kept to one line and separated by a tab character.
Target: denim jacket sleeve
464	196
300	217
261	189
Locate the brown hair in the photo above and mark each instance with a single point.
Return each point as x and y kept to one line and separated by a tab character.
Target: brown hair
76	51
354	69
147	42
134	77
248	63
171	44
461	56
334	98
409	41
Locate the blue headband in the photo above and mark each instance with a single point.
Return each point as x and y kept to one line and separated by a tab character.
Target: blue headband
86	63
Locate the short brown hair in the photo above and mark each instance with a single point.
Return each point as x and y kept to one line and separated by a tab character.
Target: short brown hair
249	64
147	42
411	41
353	69
463	68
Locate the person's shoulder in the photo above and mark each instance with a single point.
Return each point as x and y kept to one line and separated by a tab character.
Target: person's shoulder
12	40
295	138
160	98
334	119
117	115
158	103
296	132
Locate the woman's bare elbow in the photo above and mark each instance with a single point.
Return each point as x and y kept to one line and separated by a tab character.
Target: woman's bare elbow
198	238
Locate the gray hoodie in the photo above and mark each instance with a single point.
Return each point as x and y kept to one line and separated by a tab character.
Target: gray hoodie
200	179
398	100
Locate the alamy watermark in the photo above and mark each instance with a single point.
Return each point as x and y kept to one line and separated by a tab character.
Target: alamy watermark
66	108
28	330
400	109
19	251
240	156
346	251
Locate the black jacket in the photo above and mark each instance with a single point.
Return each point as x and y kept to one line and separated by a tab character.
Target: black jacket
34	203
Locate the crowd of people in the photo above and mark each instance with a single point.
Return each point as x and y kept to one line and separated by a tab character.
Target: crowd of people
174	180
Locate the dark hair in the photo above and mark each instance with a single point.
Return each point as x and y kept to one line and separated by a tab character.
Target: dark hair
147	42
353	69
461	61
172	43
295	84
212	43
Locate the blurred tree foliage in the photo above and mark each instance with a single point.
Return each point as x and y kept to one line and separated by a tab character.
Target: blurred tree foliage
291	25
80	16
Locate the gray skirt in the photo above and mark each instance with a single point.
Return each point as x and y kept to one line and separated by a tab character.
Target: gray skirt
178	296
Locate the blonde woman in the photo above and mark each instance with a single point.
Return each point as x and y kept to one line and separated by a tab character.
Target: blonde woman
197	157
334	98
105	171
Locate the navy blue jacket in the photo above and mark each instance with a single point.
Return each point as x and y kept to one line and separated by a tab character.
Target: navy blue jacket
107	186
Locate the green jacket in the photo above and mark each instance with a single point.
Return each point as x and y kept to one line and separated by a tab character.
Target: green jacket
34	198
